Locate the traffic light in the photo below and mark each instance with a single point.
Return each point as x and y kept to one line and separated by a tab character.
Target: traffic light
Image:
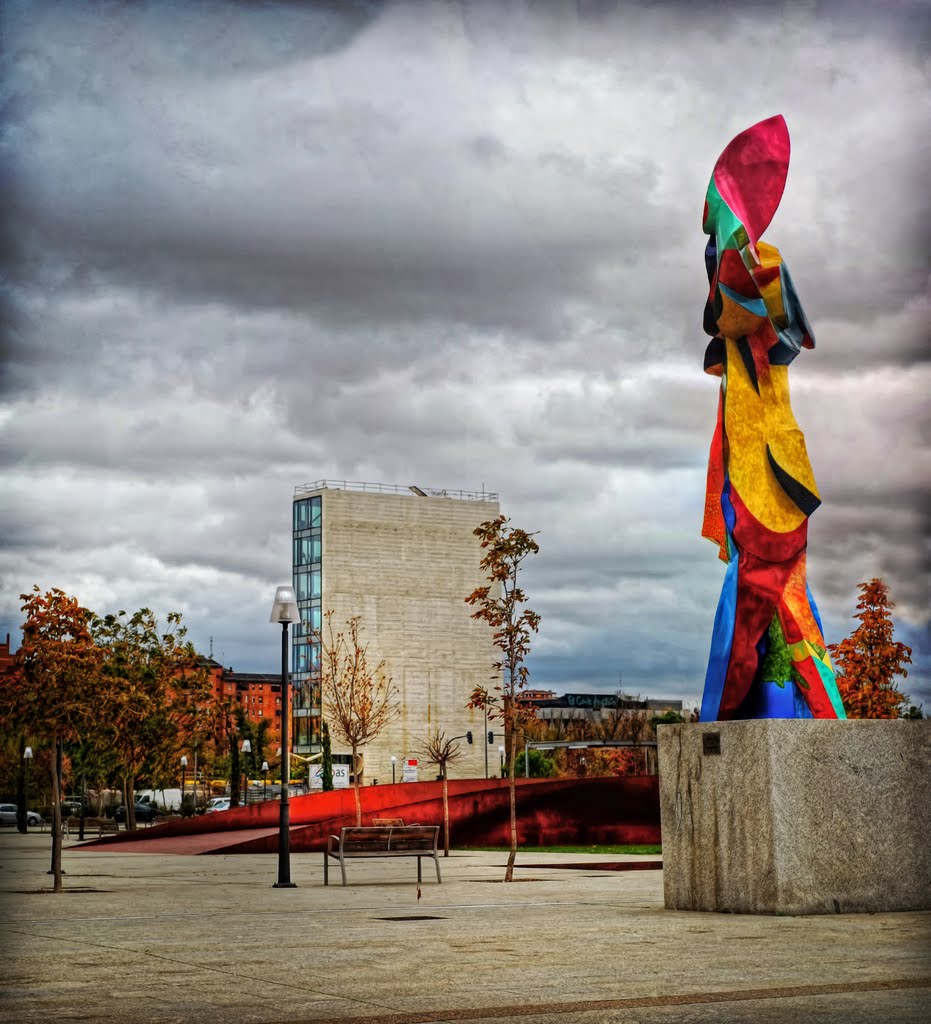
468	737
491	737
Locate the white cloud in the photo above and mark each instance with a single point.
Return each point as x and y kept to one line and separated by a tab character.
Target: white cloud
455	245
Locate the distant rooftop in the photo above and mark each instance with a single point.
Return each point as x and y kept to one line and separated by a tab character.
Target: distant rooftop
422	492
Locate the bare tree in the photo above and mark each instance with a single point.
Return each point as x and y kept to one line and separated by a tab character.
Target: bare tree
359	701
442	752
499	604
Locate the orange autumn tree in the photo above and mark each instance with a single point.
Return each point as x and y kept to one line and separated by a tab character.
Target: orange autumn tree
499	605
159	696
60	697
869	660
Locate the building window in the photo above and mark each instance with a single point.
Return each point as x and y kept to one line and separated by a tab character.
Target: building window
307	513
310	621
308	584
306	657
307	549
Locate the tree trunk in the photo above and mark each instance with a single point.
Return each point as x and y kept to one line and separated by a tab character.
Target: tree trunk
445	815
56	812
234	772
355	786
512	792
129	801
21	798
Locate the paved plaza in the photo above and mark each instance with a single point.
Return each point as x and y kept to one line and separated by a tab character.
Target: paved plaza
175	938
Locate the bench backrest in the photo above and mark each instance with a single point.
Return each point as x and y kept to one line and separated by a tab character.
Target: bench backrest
395	837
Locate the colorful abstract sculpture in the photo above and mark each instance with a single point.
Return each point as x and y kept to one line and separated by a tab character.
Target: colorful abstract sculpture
768	657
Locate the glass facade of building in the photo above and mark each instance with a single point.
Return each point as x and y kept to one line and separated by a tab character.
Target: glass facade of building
305	652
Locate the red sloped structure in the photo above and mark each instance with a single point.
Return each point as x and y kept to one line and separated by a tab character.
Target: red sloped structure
603	810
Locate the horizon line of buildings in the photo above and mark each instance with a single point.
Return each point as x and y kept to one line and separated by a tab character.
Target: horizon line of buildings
403	559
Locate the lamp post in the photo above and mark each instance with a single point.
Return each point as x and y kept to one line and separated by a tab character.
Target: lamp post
246	749
264	781
285	611
394	768
183	779
501	757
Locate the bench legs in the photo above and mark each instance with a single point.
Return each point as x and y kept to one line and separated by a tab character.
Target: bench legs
436	862
342	868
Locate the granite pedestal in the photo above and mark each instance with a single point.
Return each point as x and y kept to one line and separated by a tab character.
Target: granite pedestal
796	816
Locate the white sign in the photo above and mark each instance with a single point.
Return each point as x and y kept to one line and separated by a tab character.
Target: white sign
341	776
409	770
316	777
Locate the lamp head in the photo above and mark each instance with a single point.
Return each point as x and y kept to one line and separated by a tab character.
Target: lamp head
247	746
27	754
285	607
183	761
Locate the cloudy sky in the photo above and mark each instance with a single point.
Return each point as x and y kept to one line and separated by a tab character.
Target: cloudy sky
458	245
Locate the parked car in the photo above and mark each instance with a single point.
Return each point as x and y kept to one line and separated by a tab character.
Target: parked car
8	815
145	813
218	803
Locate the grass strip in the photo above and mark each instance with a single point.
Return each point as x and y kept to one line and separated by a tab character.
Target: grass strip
643	848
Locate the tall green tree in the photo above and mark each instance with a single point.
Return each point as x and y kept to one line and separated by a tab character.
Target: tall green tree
156	684
58	696
869	660
257	735
500	604
326	763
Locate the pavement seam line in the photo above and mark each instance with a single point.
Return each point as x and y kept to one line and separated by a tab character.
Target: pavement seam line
643	1002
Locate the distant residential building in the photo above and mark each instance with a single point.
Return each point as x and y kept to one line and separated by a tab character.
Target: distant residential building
526	696
257	693
403	559
593	706
8	659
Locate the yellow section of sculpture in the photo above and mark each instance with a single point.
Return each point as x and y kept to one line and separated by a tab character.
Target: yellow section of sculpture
752	420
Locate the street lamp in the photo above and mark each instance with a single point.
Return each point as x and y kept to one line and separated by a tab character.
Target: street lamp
285	611
501	756
246	749
394	768
264	781
183	779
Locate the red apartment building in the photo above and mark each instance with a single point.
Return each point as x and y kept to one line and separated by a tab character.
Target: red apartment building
258	693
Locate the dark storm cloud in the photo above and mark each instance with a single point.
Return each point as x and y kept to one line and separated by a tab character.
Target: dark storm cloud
452	244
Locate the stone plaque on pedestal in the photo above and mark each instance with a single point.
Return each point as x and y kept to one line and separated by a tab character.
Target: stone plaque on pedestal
789	816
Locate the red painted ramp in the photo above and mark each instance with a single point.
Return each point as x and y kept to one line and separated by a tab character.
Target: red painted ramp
549	812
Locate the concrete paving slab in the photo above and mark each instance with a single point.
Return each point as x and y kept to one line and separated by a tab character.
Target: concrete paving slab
170	938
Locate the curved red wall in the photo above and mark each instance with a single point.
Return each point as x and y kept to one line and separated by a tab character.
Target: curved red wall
608	810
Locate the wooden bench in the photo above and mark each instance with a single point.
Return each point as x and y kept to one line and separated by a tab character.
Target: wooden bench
103	826
392	841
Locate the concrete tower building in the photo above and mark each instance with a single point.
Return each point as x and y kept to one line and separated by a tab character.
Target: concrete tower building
404	559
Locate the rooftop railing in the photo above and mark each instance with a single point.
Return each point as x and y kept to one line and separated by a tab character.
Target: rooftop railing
423	492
